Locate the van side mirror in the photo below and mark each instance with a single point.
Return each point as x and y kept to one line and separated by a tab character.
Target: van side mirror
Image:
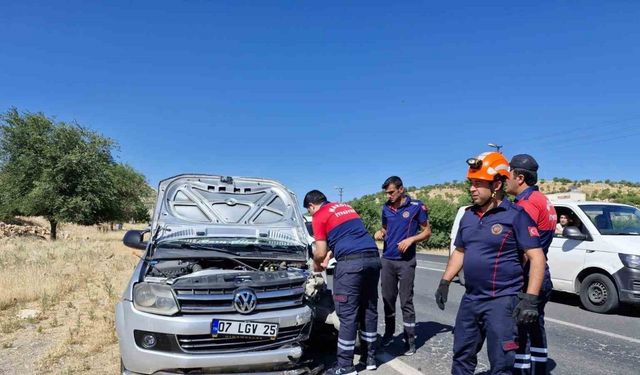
573	233
135	239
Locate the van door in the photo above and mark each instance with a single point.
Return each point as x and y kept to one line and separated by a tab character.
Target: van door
566	257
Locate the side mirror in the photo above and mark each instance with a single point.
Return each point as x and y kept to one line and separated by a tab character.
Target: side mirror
134	239
309	226
573	233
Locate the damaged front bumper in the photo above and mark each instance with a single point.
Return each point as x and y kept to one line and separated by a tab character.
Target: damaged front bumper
170	355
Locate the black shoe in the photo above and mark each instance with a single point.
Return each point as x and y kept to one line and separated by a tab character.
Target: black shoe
369	363
349	370
386	340
410	347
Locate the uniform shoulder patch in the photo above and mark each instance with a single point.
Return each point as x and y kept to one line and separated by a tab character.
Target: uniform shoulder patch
533	232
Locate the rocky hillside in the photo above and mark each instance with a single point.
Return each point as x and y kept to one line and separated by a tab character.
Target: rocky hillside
610	191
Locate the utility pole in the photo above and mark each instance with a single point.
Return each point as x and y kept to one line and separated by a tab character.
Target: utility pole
340	189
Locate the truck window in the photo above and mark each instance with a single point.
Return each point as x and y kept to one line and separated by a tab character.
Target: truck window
614	219
566	217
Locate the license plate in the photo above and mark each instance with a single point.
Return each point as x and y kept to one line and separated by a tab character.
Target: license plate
238	328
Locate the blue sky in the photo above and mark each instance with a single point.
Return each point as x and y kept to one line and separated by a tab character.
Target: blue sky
334	93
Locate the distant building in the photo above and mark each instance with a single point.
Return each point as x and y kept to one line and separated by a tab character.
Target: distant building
572	195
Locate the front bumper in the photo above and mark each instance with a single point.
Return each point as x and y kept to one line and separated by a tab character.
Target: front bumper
628	281
137	360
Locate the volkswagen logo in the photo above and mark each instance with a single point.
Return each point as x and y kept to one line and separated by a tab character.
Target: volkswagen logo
245	301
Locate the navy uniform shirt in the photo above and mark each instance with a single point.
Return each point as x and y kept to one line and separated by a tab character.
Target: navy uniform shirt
401	224
493	245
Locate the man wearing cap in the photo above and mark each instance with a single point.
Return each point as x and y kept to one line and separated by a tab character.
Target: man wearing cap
405	222
339	228
531	356
489	245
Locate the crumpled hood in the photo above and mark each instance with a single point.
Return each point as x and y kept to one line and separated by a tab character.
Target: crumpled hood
228	207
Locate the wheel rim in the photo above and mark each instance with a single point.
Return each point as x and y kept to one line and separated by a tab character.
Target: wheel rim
598	293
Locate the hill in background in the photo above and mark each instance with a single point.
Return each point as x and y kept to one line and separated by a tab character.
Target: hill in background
444	200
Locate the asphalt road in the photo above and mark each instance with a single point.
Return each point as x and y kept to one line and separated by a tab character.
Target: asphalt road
580	342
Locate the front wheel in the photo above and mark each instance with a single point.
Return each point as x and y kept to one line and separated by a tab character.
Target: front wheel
599	294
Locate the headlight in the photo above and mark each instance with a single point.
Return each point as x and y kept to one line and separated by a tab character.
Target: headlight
629	260
154	298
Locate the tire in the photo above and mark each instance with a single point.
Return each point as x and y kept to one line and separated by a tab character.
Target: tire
599	294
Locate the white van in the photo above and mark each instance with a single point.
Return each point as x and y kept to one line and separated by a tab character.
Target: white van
598	257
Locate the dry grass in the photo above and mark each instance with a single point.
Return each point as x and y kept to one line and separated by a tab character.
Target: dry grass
72	285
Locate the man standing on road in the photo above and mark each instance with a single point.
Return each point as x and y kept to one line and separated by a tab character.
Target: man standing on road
402	217
489	244
522	183
339	228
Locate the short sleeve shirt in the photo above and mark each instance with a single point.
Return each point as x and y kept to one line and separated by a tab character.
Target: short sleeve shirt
402	223
341	226
493	245
541	211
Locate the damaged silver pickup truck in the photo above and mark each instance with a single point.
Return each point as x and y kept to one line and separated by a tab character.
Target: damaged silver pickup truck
224	285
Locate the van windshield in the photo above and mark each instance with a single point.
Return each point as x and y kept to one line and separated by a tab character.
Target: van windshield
613	219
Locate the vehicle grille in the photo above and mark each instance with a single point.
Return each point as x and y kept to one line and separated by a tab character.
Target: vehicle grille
209	344
207	300
636	284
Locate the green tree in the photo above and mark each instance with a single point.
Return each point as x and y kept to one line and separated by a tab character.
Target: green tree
61	171
132	194
370	211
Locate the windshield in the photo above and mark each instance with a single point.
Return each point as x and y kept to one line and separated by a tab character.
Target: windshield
235	245
614	220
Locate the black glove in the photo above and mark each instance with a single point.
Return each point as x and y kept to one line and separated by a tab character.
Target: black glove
442	292
526	312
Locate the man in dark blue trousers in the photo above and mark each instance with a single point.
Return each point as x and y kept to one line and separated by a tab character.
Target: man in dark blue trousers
339	228
405	223
531	357
493	236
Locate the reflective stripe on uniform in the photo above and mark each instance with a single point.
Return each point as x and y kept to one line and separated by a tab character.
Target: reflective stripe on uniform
368	336
346	342
522	365
408	324
538	350
538	359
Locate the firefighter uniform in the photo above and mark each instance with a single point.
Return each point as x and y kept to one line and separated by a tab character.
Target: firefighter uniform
493	243
531	356
398	269
355	278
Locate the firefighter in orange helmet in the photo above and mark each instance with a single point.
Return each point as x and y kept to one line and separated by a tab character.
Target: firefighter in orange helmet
489	243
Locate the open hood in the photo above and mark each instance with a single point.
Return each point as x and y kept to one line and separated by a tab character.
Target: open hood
209	206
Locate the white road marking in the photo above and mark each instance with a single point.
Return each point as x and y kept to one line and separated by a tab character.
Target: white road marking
397	364
605	333
561	322
431	269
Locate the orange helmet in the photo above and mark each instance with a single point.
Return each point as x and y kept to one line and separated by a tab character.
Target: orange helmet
487	166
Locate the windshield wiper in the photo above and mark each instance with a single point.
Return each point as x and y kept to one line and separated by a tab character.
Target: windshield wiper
191	246
268	248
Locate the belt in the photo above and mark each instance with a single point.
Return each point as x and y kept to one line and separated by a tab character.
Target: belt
365	254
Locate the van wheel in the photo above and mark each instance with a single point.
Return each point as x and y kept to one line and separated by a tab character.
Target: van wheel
598	293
